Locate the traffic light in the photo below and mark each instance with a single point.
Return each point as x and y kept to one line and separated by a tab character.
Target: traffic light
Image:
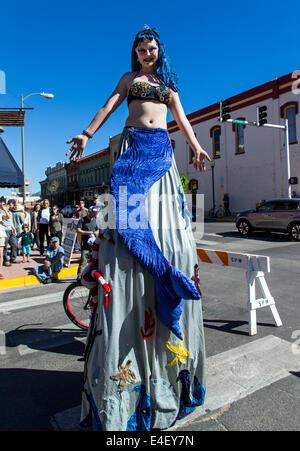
225	110
293	181
262	115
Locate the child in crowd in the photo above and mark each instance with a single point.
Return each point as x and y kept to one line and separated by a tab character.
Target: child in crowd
26	242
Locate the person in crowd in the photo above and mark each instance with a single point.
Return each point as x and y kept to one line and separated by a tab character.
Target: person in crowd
53	263
43	220
97	202
82	210
226	204
26	242
21	217
10	240
34	226
56	223
11	203
145	364
75	215
86	228
4	215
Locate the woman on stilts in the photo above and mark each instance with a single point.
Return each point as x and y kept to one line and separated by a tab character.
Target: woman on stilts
145	362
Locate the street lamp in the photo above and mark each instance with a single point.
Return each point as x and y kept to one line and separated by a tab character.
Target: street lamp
212	165
46	96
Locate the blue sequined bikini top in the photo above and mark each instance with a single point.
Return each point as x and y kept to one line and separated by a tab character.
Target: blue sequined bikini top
145	91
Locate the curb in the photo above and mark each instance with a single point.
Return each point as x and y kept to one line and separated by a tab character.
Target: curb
219	219
23	281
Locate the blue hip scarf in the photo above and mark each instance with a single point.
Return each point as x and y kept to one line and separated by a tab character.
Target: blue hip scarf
146	160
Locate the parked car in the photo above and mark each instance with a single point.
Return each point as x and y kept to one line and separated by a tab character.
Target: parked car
279	215
68	211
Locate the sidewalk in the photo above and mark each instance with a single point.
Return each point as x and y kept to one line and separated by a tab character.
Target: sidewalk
22	274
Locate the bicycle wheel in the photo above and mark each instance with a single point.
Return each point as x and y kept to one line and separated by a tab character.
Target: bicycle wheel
220	213
76	305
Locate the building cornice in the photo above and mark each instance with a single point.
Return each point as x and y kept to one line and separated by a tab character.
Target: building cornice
270	90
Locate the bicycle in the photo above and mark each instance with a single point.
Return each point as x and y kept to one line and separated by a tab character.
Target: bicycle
78	303
219	213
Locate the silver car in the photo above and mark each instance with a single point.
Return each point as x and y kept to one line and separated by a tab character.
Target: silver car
279	215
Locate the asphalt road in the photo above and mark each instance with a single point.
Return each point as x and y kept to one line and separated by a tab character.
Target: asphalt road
257	376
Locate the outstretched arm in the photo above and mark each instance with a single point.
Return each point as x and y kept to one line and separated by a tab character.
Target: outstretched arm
188	132
114	101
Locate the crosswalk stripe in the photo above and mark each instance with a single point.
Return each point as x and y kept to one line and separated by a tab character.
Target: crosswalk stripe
19	304
206	242
231	375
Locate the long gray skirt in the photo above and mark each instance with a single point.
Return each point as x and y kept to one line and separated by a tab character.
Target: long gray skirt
138	375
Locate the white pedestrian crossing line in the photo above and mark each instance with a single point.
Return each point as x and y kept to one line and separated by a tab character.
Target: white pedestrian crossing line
20	304
206	242
231	375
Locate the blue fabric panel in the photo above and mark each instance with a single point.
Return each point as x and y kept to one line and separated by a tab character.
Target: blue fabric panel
140	420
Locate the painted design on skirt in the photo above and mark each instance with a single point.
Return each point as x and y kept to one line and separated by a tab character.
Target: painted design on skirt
149	324
186	404
146	160
125	375
140	420
180	352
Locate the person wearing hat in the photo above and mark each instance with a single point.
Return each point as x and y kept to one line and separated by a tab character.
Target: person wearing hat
54	261
86	227
81	210
97	201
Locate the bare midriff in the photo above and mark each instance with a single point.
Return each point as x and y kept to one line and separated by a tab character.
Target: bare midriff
147	114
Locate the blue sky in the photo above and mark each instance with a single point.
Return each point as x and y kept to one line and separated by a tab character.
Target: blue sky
79	50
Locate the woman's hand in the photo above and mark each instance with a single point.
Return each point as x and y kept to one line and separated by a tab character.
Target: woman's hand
199	160
47	264
77	149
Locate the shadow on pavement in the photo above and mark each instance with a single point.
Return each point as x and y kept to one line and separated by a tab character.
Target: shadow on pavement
229	326
272	237
30	397
60	341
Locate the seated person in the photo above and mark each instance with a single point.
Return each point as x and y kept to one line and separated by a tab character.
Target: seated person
53	262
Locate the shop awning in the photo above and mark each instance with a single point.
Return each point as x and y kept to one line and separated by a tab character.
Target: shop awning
10	173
